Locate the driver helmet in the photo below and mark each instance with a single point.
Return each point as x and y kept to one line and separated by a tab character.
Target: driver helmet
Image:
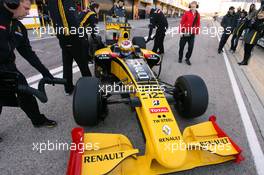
126	48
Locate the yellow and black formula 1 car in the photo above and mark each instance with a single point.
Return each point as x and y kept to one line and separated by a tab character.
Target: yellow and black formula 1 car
168	150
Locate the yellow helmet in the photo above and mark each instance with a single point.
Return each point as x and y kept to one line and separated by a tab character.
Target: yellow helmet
126	47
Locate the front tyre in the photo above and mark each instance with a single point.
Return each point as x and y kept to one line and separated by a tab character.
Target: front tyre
191	96
87	102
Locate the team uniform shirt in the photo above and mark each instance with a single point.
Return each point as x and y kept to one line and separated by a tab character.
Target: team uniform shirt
158	20
24	48
186	25
7	41
256	31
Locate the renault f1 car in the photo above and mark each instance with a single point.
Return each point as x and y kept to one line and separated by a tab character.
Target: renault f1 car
167	150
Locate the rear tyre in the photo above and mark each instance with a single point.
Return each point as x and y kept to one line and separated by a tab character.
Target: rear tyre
191	96
139	41
87	102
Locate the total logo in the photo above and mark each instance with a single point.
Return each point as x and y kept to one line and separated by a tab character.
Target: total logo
159	110
166	130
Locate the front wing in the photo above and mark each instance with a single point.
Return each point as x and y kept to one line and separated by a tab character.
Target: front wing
204	144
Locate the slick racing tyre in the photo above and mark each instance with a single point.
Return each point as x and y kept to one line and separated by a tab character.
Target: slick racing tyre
87	102
139	41
191	96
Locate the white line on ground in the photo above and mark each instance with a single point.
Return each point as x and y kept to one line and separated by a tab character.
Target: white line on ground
252	138
75	70
54	71
40	39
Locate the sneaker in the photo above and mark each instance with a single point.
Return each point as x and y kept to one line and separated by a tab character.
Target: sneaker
179	61
188	62
1	140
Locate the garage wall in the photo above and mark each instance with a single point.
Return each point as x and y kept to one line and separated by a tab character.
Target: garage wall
106	6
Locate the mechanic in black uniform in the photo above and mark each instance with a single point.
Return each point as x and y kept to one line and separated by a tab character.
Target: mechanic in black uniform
238	31
118	10
65	18
256	31
89	20
159	21
228	23
89	17
10	11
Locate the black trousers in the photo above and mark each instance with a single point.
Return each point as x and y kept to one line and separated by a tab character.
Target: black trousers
159	42
248	50
234	42
223	40
186	39
72	49
28	103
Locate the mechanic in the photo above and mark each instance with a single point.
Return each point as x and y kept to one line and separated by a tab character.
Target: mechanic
10	11
89	19
65	18
118	10
238	14
238	31
190	26
228	23
159	21
256	31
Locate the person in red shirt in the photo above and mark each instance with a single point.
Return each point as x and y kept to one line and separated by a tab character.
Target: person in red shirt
189	27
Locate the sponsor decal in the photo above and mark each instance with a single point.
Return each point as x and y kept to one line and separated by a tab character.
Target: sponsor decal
166	120
159	110
72	9
156	102
166	130
103	57
103	157
223	141
170	139
140	71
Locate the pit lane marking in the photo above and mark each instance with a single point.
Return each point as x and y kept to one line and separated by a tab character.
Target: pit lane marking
252	138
